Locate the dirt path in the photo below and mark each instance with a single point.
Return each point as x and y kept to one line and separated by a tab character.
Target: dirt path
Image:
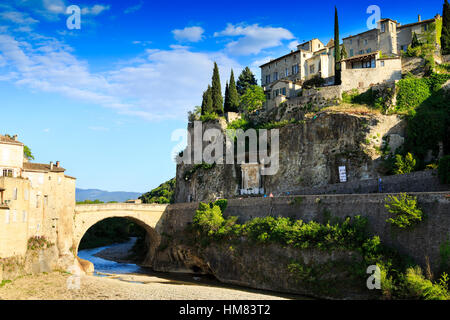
132	287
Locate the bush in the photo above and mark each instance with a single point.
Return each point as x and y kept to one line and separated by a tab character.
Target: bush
162	194
416	286
404	209
444	170
405	165
314	82
411	93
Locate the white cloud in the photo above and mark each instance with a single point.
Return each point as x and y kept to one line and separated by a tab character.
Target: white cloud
18	18
134	8
293	45
160	84
94	10
253	39
188	34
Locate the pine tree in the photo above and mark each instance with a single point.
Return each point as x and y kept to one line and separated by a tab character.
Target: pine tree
337	51
233	94
226	106
415	41
344	54
207	103
445	36
246	79
216	91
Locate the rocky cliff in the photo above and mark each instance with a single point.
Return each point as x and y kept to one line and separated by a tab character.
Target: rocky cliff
311	151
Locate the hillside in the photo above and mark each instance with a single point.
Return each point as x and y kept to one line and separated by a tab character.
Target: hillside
104	196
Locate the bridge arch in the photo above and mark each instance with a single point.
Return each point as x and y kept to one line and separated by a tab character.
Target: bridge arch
148	216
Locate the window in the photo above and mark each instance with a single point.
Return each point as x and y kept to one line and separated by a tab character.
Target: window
351	52
268	79
283	91
268	96
295	69
15	194
365	42
25	194
311	69
425	27
286	72
7	173
351	41
24	216
383	27
275	76
404	48
369	50
382	63
7	217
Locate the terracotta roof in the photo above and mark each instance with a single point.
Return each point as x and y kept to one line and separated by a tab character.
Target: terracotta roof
416	23
29	166
70	177
8	140
361	56
282	57
359	34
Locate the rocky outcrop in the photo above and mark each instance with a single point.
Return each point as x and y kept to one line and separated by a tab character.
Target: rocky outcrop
310	154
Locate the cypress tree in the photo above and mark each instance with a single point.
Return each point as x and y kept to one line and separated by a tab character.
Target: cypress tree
207	103
337	51
216	91
226	105
233	94
415	41
344	54
246	80
445	36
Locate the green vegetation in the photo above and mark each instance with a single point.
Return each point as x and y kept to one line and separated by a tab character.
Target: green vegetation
245	124
27	153
337	52
162	194
94	202
314	82
4	282
404	210
189	173
399	278
231	96
444	252
444	170
369	98
216	91
38	243
445	34
110	231
404	165
207	102
253	99
246	80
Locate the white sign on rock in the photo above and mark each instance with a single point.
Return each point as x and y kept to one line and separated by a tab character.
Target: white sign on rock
342	174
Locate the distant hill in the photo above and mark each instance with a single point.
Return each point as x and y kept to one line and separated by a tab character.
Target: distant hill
105	196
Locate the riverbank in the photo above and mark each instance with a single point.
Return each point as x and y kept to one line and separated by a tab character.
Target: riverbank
53	286
118	252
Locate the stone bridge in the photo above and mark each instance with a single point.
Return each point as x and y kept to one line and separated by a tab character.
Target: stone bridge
148	216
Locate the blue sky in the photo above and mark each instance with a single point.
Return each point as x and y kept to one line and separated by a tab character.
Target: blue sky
104	100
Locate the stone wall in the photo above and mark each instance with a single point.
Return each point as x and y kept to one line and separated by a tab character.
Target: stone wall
421	242
366	77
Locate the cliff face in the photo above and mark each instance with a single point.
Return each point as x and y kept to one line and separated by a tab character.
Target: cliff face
311	152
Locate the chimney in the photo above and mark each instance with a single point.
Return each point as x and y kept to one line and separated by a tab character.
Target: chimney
419	18
51	165
57	164
15	137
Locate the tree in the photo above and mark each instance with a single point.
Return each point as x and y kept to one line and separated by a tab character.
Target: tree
245	80
344	54
233	94
216	92
226	105
253	99
445	35
337	52
415	41
406	165
27	153
207	103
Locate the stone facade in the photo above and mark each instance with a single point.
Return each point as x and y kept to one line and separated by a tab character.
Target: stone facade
37	200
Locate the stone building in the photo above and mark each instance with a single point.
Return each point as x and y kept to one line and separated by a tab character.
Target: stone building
373	58
36	200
